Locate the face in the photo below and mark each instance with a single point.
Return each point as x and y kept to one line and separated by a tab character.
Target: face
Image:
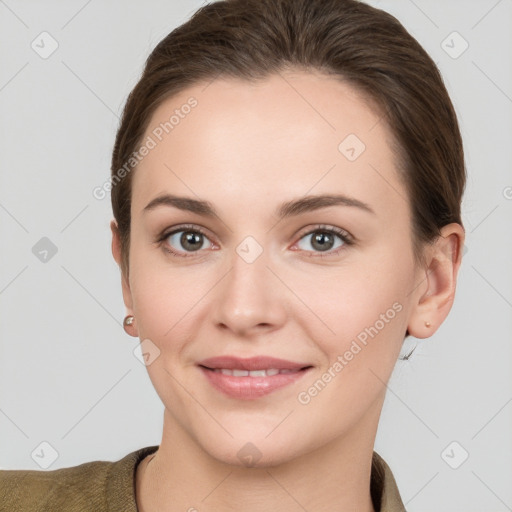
324	285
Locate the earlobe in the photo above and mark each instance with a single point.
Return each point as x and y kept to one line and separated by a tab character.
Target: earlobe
129	325
433	300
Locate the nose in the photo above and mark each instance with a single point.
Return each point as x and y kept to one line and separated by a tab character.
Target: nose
250	299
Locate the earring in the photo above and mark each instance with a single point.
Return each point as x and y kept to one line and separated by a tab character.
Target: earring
427	324
128	321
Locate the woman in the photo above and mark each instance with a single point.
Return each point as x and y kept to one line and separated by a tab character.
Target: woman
286	187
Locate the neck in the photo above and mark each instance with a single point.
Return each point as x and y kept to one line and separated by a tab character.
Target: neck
183	477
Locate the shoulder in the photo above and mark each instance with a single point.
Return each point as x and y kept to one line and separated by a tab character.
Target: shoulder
97	485
31	490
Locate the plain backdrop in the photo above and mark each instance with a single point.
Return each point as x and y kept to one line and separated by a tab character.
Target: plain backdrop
71	384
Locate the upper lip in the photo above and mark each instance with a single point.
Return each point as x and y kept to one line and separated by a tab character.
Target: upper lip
251	363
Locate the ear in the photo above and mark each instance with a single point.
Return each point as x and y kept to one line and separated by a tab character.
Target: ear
116	252
433	298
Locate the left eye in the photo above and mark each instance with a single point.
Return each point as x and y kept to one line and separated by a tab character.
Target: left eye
323	240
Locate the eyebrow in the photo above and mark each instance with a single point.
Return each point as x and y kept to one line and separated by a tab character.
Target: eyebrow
287	209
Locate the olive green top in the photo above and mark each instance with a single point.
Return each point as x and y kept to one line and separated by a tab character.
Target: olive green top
103	486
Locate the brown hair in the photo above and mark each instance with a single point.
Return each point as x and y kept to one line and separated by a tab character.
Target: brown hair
364	46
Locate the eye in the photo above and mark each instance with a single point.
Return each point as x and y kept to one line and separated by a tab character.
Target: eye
184	239
323	240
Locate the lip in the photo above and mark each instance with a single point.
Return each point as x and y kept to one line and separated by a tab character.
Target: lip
247	387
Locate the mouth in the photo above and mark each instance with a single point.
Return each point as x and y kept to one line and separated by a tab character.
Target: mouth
251	378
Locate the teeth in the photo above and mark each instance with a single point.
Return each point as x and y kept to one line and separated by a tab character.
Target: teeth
252	373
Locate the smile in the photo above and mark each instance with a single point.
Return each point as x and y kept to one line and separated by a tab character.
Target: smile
253	377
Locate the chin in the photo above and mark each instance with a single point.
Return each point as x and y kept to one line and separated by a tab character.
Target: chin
251	451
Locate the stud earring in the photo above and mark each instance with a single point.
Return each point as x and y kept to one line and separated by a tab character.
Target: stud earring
427	324
128	321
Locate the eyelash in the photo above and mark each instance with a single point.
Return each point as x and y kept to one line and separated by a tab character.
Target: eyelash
346	238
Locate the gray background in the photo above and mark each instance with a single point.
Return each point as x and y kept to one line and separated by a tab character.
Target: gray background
68	373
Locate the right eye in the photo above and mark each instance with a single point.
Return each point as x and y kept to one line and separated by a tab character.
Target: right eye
189	239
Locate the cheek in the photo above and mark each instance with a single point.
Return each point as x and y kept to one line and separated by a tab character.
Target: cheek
167	301
365	305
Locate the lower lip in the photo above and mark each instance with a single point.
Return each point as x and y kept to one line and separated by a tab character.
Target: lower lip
250	388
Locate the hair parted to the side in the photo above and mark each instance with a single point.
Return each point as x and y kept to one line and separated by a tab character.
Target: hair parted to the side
363	46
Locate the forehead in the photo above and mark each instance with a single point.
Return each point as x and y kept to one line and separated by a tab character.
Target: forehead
293	132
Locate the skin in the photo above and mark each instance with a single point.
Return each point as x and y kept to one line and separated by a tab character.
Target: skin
246	148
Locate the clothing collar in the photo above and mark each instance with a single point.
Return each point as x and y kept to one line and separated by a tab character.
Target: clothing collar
383	488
